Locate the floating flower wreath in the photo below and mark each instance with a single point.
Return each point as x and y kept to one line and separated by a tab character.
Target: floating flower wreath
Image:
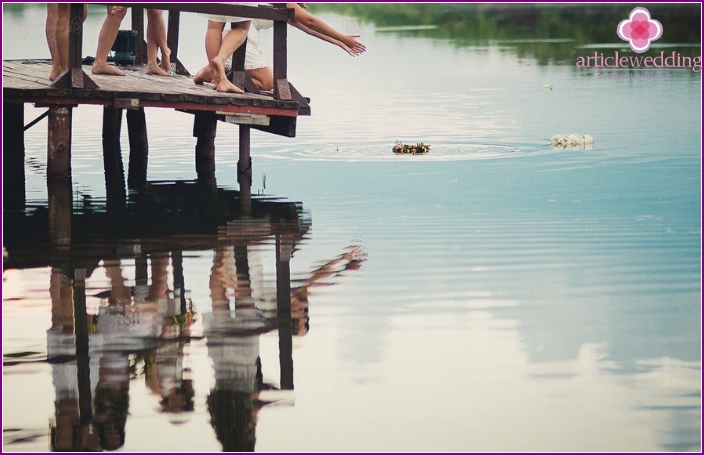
573	141
418	149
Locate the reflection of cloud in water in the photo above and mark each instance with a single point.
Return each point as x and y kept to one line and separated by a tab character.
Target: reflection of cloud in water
585	402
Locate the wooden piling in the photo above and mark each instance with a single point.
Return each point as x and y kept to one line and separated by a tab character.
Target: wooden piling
59	174
204	130
112	158
80	314
244	170
283	305
139	149
179	280
141	278
59	142
13	177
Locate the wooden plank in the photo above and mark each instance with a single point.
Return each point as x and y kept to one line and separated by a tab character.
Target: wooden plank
26	81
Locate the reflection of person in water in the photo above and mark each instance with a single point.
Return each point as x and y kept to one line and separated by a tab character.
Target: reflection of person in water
233	340
74	429
233	344
111	402
349	260
165	375
119	329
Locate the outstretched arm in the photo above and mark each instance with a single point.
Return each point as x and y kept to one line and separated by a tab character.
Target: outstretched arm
317	27
353	51
349	260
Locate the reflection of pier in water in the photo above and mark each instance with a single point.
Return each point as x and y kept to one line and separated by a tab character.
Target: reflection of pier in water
94	353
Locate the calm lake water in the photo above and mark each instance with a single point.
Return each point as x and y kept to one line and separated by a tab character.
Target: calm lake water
498	294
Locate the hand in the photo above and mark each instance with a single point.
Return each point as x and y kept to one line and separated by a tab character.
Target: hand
352	46
355	253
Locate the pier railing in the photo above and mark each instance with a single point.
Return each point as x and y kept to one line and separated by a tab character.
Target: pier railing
76	78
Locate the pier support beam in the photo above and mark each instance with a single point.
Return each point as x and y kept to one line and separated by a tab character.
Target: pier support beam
13	178
112	159
82	358
204	130
244	170
59	174
139	149
283	306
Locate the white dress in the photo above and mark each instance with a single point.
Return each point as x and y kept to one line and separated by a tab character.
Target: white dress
254	59
222	18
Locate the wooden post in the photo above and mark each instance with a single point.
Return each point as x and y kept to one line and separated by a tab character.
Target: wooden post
112	158
283	305
59	174
140	47
237	77
85	404
141	278
13	177
179	280
244	171
59	142
139	149
204	129
172	41
281	87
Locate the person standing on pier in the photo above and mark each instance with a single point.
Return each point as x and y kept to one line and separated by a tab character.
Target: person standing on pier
57	28
156	39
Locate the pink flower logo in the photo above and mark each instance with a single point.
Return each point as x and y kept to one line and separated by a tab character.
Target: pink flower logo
639	29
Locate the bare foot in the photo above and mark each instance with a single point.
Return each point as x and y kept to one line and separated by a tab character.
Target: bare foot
204	75
222	84
104	68
155	70
166	60
225	86
55	73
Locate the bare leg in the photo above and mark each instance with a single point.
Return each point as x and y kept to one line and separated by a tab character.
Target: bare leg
220	280
213	41
57	22
156	39
230	43
263	78
159	287
119	292
108	33
51	30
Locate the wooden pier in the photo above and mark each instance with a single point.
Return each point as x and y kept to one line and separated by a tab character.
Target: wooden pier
26	81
